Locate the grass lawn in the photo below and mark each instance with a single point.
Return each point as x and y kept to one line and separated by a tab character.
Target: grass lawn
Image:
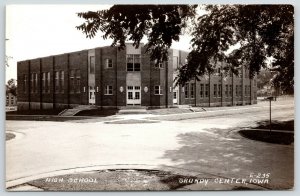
265	135
276	125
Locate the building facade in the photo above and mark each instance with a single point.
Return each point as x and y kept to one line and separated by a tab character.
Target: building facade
113	78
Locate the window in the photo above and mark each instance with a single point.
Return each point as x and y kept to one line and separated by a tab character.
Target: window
31	83
157	90
108	63
159	65
62	83
108	90
137	62
192	93
218	72
201	90
25	83
175	62
226	90
186	91
133	62
44	82
215	90
48	82
78	84
246	73
36	82
72	81
220	90
206	90
237	90
240	74
247	90
230	90
56	81
92	65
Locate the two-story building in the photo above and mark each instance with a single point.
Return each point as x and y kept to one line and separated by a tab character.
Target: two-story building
113	78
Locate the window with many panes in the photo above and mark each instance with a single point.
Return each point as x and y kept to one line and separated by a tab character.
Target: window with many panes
220	90
206	90
186	91
201	90
56	80
78	83
36	82
108	63
92	65
217	72
226	90
25	83
159	65
133	62
175	62
48	82
230	91
44	82
157	90
62	81
192	93
215	90
72	81
108	90
31	82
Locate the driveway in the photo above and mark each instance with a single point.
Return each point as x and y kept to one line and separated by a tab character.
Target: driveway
206	145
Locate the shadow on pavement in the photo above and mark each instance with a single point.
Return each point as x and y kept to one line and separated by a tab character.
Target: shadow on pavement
220	152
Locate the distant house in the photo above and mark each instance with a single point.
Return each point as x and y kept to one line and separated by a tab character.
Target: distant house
11	100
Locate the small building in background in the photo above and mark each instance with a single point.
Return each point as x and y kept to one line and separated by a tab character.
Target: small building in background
11	100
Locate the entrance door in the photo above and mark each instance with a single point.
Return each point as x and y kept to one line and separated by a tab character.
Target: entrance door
175	97
92	95
133	95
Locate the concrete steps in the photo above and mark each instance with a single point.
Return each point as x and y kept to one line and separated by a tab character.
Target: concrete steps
132	110
74	111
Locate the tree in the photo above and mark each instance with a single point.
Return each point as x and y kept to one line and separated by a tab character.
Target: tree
160	23
261	30
11	86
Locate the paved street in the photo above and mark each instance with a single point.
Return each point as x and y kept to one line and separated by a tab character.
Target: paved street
203	143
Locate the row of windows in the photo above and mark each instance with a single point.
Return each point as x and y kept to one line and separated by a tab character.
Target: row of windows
230	73
189	90
133	63
109	89
238	90
59	82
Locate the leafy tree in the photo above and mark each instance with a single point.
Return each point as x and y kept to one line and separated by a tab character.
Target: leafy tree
162	24
261	30
11	86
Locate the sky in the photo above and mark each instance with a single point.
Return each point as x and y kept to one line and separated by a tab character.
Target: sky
34	31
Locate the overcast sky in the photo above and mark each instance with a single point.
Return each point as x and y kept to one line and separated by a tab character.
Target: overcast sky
42	30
